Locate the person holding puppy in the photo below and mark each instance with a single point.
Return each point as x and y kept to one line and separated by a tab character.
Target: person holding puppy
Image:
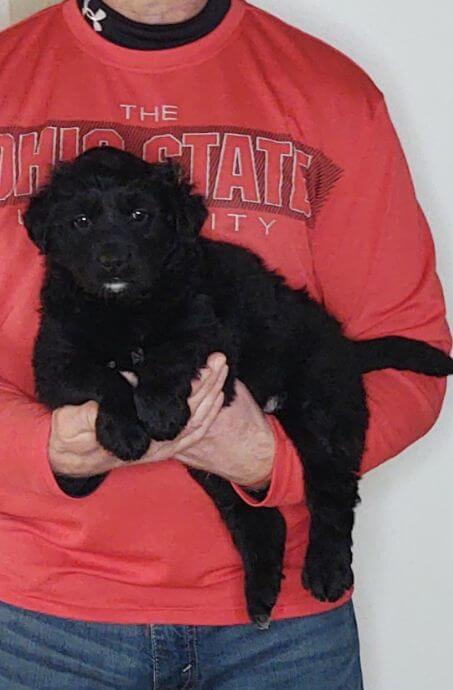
131	579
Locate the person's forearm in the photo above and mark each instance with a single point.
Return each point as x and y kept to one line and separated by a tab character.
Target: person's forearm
25	428
285	486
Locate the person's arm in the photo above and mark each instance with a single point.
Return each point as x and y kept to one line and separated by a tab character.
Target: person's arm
375	265
375	262
249	449
24	435
38	446
58	453
283	483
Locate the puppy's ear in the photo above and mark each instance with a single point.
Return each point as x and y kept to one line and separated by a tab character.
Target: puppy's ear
189	209
36	219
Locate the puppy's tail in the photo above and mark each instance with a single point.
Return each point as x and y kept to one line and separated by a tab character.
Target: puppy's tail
405	354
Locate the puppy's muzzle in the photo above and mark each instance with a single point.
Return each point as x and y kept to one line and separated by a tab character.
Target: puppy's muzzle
114	257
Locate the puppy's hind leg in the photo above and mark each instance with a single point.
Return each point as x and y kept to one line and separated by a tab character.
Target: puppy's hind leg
326	417
259	535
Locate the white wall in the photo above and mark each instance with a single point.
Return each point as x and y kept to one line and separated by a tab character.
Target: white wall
4	13
14	10
404	548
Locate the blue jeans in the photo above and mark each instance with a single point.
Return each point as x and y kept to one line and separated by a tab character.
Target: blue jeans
40	652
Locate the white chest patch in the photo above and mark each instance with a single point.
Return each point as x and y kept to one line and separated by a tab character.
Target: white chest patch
115	287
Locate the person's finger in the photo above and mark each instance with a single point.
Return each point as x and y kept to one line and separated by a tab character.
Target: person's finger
216	360
205	406
210	383
76	420
206	378
210	417
201	405
194	436
88	414
214	363
199	381
163	450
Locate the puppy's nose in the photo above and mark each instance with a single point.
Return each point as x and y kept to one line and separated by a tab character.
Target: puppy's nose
114	260
111	262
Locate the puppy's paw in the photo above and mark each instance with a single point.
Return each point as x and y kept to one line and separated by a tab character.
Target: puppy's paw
327	574
164	416
125	437
262	590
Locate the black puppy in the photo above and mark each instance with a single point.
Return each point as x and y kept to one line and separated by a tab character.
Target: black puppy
130	285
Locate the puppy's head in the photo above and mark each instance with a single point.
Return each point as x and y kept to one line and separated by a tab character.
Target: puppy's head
114	221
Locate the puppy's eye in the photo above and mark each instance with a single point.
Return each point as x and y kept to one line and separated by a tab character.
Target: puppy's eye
139	215
82	222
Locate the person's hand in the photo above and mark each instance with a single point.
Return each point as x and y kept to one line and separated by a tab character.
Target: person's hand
73	447
235	443
75	452
238	446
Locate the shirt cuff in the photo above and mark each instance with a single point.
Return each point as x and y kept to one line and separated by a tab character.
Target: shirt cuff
287	482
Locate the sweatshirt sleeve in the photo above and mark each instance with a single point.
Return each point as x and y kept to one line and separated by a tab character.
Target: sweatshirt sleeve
374	261
24	436
25	428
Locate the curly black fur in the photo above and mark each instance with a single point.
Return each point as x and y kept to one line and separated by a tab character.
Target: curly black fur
130	285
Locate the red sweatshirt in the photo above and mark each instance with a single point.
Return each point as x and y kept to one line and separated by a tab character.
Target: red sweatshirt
292	145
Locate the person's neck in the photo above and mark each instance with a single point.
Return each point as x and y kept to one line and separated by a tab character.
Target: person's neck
158	11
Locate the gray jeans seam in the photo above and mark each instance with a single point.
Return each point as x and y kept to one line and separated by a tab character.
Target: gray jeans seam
155	657
192	670
196	674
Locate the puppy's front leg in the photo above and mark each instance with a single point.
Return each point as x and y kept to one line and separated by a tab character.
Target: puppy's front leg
71	378
165	385
118	428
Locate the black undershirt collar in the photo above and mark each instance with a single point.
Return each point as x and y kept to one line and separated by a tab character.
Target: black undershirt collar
131	34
